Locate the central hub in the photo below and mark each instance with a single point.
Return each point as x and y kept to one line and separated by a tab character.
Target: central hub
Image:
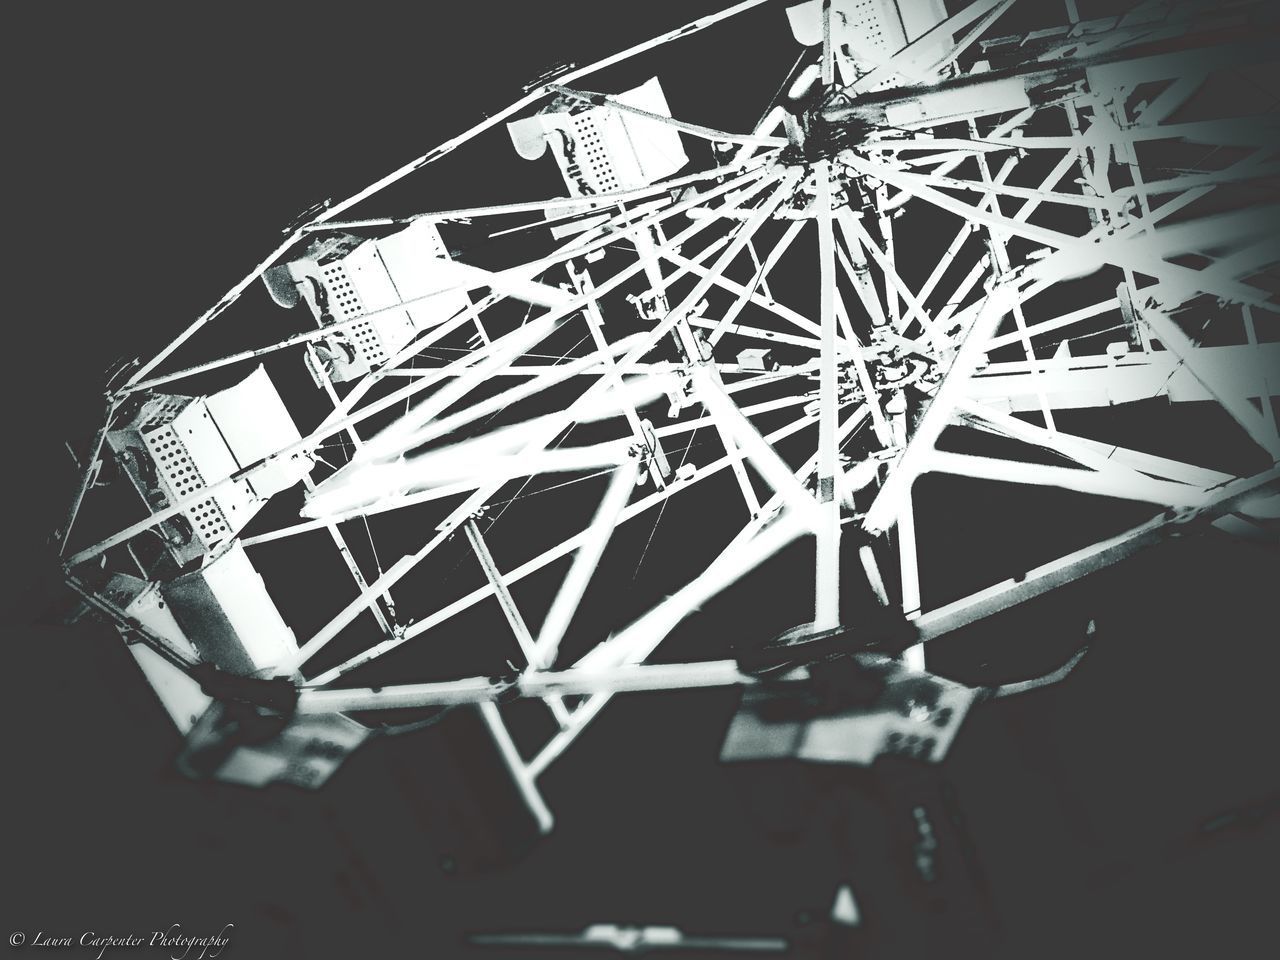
813	136
817	138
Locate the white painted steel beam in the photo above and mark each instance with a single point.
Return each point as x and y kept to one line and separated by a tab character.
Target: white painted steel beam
585	562
827	553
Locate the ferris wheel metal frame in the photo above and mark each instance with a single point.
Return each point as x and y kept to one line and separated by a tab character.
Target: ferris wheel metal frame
858	147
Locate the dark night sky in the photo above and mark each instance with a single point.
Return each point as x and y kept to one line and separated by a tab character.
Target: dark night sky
157	152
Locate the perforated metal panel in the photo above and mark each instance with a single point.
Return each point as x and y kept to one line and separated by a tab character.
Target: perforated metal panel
345	304
866	33
161	411
873	27
344	301
369	279
875	24
590	154
602	149
176	466
761	730
175	447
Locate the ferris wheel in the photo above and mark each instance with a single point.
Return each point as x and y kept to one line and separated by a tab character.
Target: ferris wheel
942	251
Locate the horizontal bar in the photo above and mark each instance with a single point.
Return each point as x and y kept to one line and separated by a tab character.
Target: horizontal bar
537	684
